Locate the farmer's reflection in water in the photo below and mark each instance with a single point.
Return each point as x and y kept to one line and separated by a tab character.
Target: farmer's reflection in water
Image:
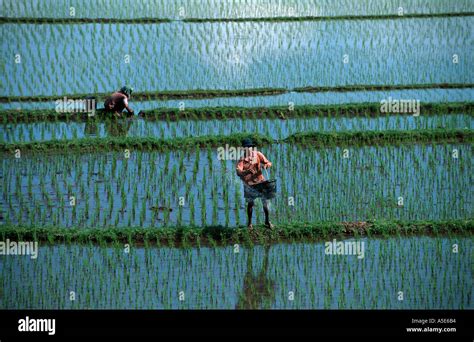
91	129
117	128
258	291
113	128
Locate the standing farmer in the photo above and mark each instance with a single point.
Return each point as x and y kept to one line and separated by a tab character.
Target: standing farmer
118	101
249	169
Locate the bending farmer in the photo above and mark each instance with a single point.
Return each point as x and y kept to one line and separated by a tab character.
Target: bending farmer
118	101
249	169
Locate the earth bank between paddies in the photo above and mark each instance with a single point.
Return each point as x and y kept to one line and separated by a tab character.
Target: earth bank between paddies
311	139
219	235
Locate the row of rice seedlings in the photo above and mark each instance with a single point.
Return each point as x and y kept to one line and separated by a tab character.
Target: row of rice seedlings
226	113
424	269
275	128
252	19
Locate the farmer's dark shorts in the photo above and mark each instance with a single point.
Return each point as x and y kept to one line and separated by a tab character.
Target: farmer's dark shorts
250	194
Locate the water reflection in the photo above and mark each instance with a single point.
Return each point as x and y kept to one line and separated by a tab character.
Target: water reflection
258	291
91	129
117	128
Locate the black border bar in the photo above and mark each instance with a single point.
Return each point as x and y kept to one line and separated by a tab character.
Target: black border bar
240	322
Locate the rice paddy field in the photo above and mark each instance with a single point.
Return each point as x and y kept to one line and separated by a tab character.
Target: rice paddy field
258	277
232	56
145	190
144	213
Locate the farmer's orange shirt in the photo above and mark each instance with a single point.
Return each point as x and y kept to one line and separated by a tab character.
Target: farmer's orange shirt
252	163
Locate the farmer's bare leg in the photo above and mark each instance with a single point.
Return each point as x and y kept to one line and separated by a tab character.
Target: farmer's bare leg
266	210
249	213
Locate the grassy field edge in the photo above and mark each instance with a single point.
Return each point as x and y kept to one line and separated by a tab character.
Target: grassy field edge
220	236
310	139
213	93
45	20
222	113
